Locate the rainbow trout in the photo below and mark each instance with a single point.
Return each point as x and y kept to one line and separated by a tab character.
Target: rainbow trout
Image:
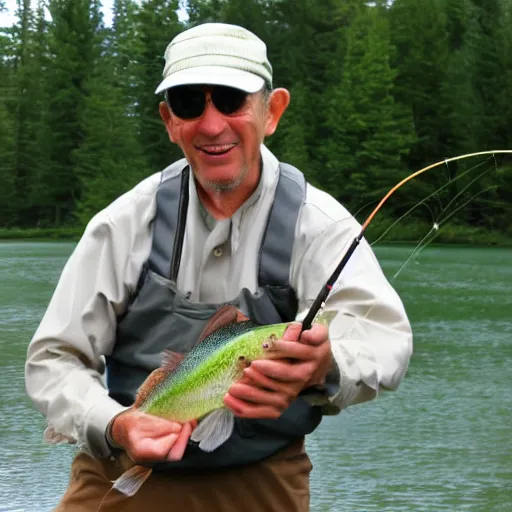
193	387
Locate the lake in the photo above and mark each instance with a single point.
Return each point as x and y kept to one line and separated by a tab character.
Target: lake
442	442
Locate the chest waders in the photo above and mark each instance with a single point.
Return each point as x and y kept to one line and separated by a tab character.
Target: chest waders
160	317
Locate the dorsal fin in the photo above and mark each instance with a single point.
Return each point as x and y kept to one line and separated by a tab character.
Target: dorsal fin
170	361
224	316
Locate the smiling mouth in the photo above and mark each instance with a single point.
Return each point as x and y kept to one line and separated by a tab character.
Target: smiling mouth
216	149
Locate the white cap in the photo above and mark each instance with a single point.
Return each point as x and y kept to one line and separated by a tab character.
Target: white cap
217	54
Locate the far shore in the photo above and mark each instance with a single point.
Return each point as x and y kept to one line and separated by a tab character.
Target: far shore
410	233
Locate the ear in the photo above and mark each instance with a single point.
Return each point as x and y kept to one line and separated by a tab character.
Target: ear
278	101
168	119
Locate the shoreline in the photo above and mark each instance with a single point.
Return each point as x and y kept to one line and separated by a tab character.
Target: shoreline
412	234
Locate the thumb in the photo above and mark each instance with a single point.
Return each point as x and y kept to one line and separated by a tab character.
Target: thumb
292	332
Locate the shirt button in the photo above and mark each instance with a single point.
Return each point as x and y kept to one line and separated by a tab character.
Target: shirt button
217	251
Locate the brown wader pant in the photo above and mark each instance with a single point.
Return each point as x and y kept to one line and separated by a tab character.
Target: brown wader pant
278	484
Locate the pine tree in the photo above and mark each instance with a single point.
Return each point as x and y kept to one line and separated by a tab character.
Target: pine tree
75	37
369	132
418	31
291	141
110	160
8	96
157	23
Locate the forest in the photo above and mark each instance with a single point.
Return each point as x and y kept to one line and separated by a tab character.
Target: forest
379	90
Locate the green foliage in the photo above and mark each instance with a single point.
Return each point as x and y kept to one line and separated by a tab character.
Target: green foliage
110	159
368	130
378	90
157	24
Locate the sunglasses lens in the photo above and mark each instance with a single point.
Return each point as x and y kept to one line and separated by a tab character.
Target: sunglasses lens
228	100
188	102
185	101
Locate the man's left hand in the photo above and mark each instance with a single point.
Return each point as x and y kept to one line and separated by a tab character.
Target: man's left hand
293	363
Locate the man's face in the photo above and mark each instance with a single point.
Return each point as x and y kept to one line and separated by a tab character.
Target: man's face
223	149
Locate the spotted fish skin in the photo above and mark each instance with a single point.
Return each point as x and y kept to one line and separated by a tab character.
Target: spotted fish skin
195	388
199	383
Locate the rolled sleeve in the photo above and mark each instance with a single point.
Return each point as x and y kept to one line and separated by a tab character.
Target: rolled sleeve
65	366
371	337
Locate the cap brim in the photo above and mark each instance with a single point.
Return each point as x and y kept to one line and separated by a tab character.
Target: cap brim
213	75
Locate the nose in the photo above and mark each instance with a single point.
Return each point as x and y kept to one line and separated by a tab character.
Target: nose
212	122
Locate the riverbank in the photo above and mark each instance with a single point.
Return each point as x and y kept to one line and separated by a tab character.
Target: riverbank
410	233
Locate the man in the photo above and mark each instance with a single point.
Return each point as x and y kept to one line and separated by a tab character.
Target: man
227	224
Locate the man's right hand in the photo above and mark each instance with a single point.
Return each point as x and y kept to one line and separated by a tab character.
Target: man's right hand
147	438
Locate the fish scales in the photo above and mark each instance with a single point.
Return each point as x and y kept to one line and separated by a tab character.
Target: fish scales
200	382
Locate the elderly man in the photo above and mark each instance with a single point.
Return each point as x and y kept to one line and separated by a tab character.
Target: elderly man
226	224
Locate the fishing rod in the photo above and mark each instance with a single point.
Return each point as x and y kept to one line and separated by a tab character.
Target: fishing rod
319	302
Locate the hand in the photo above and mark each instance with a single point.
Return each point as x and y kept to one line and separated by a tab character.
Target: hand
269	385
147	438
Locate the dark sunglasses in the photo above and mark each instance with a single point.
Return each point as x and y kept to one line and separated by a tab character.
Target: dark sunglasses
189	101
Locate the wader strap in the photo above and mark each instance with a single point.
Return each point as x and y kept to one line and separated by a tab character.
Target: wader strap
165	224
277	247
180	229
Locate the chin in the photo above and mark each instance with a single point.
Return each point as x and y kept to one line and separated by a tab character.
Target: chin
224	185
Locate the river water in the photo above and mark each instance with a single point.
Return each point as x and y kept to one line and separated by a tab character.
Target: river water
443	442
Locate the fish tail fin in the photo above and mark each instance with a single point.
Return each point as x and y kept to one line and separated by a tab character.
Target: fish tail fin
214	429
131	480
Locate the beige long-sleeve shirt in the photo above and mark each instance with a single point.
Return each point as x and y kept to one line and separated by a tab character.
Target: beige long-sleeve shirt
371	337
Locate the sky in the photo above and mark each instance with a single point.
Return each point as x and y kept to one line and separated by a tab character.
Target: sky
7	18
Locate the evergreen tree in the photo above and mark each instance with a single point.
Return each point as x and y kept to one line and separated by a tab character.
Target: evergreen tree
110	160
291	141
8	199
418	31
369	132
74	50
157	24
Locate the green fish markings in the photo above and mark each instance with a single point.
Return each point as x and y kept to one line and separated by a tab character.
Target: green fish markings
199	383
193	387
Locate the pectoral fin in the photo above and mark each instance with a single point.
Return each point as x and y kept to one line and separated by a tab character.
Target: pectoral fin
131	480
214	429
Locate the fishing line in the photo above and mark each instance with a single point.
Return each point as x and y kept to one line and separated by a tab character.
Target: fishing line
423	202
435	230
322	296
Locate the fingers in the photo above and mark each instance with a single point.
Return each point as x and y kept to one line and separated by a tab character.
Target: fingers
284	371
292	332
148	449
180	444
252	377
269	385
282	349
251	411
148	438
256	395
315	336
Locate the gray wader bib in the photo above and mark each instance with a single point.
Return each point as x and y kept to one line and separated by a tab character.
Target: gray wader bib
161	317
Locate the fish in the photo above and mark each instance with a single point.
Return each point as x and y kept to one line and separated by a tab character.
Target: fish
193	387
